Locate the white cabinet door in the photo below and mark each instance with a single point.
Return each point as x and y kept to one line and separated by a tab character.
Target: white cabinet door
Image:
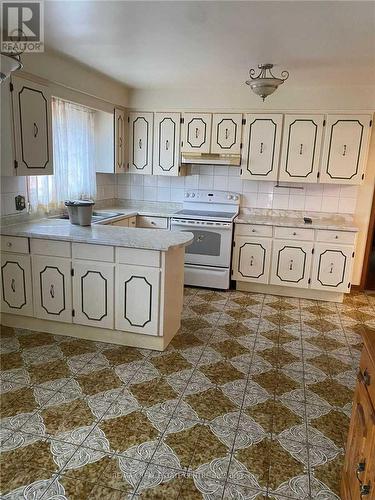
140	141
16	296
345	149
291	262
196	133
166	159
300	155
52	286
93	293
226	133
121	162
33	130
7	135
262	135
332	267
137	299
251	259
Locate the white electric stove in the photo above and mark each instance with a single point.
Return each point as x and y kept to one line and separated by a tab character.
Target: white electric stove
209	216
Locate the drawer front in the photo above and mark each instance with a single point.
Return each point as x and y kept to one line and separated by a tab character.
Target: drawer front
142	257
152	222
85	251
367	374
132	221
121	223
50	247
345	237
253	230
15	244
294	233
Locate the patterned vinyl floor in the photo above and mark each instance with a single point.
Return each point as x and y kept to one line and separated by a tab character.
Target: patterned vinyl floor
251	400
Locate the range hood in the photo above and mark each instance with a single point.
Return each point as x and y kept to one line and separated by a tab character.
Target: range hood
211	159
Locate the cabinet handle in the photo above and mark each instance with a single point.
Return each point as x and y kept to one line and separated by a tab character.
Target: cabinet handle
36	130
261	148
196	132
167	145
253	230
120	142
331	268
360	468
366	379
364	490
291	265
251	261
226	133
336	237
294	233
13	285
153	223
300	149
140	143
344	150
9	244
52	291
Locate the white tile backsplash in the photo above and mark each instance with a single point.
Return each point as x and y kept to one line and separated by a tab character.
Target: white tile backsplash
10	188
254	194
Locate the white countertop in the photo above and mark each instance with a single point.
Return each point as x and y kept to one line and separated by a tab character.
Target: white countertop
58	229
320	220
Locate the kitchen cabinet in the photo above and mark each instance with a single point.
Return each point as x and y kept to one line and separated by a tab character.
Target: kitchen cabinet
291	262
32	127
16	296
93	292
52	288
125	222
261	149
301	145
345	148
358	475
196	132
251	259
140	142
7	133
332	265
226	133
120	129
133	314
150	222
166	158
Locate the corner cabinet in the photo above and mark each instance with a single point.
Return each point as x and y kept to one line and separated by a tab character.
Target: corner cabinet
16	288
120	128
301	148
345	150
32	127
261	148
196	133
140	142
166	158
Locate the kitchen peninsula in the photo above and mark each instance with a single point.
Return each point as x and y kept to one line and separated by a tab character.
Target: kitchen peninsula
101	282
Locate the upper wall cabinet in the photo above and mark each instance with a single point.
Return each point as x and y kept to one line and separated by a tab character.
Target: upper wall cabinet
166	158
140	142
301	148
345	149
32	127
120	126
226	133
262	137
196	133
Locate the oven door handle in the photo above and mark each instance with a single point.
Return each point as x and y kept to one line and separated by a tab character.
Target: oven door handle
188	226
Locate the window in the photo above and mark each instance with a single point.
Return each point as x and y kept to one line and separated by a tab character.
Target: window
73	158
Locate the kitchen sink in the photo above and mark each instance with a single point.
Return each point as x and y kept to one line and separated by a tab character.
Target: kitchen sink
97	216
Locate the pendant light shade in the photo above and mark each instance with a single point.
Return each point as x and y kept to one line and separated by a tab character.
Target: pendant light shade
8	64
265	83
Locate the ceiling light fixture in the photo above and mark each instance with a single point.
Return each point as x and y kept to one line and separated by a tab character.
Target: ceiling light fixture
9	63
265	83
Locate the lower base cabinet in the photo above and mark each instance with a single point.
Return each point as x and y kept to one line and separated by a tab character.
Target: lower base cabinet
93	284
251	259
16	287
137	299
332	267
291	263
52	288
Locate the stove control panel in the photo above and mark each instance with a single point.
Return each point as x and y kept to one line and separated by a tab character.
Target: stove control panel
204	196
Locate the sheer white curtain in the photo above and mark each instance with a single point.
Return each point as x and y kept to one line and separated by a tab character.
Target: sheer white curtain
73	158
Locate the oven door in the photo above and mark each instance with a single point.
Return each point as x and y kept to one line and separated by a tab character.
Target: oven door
212	241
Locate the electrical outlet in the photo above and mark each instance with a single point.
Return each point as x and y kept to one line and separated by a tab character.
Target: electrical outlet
20	202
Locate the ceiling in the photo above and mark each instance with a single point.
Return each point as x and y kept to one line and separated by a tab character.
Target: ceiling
214	43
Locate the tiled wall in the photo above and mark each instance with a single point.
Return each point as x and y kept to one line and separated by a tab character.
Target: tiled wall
105	186
10	188
255	194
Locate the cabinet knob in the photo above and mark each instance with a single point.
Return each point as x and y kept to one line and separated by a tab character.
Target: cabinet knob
336	237
253	230
364	490
9	244
294	234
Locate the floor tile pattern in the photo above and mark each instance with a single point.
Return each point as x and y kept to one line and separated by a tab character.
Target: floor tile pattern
251	400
